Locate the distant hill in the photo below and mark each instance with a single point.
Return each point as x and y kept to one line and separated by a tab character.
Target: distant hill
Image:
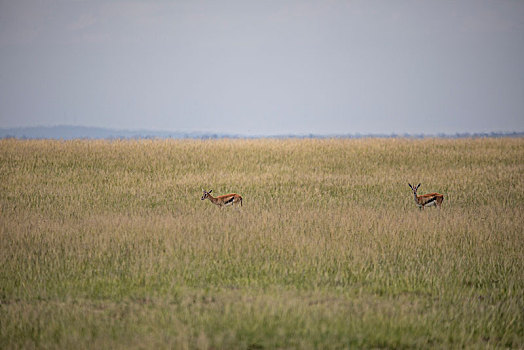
64	132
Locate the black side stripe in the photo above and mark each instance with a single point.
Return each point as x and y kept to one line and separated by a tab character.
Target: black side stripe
430	200
229	200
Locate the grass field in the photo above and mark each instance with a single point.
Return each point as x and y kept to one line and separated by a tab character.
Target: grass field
106	244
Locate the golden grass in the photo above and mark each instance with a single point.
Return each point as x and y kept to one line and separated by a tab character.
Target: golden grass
107	244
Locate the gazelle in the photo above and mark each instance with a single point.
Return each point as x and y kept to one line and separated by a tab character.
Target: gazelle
221	201
426	200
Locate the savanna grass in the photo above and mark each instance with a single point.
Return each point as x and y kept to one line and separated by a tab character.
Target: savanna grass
106	244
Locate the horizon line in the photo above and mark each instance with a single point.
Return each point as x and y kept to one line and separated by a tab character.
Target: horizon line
80	132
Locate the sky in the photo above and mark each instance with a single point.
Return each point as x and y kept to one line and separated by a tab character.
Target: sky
264	67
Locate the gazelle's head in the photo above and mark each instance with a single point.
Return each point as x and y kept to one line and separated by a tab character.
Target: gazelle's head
205	194
414	189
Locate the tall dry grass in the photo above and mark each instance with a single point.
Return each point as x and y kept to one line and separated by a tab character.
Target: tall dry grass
107	244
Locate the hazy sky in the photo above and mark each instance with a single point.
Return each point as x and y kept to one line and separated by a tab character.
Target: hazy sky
264	67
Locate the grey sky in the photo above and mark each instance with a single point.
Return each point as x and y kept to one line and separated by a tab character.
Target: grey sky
264	67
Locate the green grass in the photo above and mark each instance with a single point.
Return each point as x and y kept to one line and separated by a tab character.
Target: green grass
106	244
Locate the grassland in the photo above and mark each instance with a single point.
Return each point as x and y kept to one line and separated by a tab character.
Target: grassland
106	244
